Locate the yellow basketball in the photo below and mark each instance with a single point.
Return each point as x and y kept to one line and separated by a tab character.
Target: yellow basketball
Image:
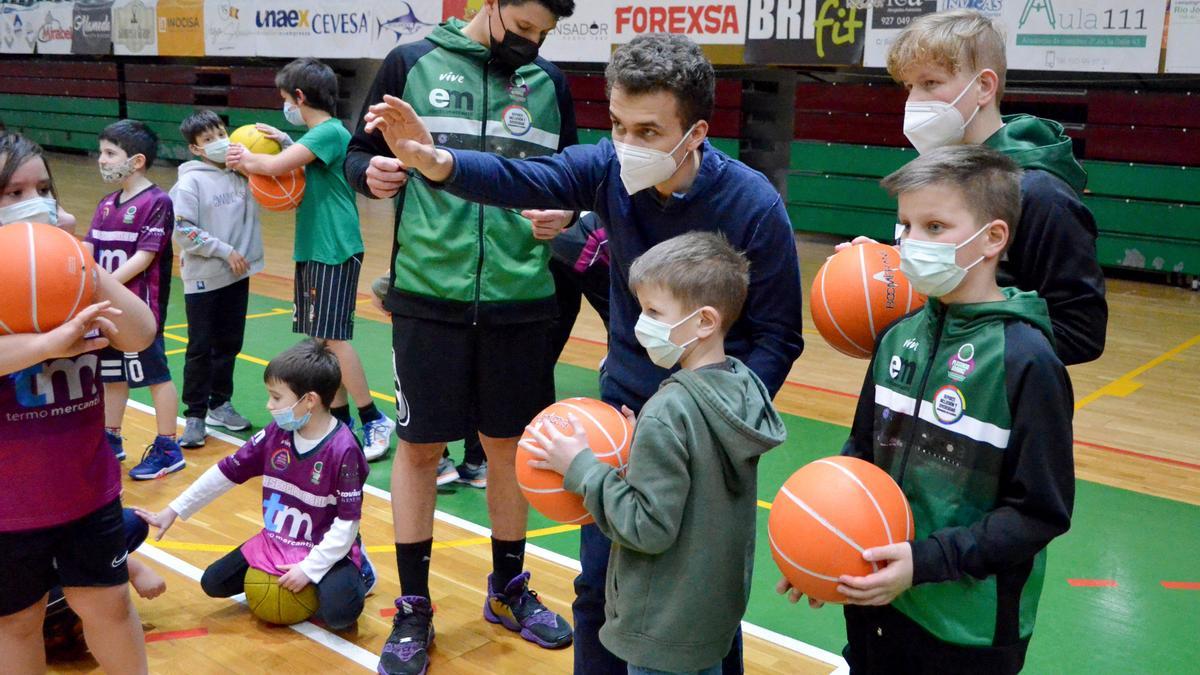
274	604
254	140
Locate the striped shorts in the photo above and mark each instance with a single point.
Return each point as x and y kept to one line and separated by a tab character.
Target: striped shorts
324	299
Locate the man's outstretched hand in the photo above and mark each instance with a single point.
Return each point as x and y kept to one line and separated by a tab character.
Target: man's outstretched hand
408	138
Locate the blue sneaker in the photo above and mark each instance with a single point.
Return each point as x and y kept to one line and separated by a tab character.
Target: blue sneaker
406	651
117	443
162	457
377	437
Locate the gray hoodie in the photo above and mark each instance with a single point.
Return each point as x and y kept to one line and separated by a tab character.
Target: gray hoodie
214	214
682	519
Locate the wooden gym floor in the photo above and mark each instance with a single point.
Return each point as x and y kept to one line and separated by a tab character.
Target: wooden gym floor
1122	587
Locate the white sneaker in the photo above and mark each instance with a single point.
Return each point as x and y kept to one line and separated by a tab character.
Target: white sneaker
447	473
377	437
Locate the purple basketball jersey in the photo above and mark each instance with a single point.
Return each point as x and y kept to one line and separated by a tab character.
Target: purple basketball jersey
301	495
144	223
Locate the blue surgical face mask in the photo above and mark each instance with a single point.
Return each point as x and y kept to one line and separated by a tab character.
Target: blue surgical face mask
286	419
932	267
293	115
217	150
655	336
35	210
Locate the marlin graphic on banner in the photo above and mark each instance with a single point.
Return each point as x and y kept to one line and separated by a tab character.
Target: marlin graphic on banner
403	25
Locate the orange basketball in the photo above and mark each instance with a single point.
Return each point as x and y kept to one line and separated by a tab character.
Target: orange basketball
609	435
278	193
826	515
46	276
857	293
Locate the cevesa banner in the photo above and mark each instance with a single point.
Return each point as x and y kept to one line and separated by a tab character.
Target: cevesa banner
312	28
806	32
1084	35
135	28
398	22
92	24
706	22
54	32
584	37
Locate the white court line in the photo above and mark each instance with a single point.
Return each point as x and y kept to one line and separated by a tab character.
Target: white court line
811	651
315	633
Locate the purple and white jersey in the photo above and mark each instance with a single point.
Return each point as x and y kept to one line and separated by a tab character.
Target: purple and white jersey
301	495
144	223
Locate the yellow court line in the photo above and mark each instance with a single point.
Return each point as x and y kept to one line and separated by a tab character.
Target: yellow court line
189	546
274	312
255	359
1124	385
173	352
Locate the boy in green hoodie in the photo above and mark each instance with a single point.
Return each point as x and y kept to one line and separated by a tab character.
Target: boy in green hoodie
692	468
953	65
986	463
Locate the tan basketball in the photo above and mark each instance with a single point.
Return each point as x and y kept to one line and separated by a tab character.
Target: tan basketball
609	435
278	193
826	515
46	277
857	293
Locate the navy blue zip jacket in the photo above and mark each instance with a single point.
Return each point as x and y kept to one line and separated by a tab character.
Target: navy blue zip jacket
726	196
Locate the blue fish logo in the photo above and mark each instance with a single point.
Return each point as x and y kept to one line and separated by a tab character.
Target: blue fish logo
403	25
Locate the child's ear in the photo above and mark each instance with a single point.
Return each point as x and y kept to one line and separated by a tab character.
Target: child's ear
139	166
195	150
997	238
710	321
989	85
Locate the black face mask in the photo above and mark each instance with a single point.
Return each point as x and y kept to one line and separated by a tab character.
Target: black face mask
514	50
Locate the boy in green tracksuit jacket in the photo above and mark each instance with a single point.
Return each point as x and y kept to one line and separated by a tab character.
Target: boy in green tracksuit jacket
682	518
986	463
471	298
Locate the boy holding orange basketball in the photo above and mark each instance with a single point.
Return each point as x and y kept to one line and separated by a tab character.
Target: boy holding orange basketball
130	238
986	462
682	518
328	246
219	236
313	472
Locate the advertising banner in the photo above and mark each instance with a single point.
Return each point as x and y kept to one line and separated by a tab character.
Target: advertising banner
1183	37
181	27
18	29
806	32
92	26
706	22
584	37
399	22
886	21
54	34
1084	35
135	30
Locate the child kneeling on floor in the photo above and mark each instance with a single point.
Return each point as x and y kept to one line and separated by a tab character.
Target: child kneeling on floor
313	472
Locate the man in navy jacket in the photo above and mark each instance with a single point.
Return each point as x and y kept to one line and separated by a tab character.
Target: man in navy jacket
659	177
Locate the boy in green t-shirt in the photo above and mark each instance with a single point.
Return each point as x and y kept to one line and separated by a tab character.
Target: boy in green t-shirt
328	246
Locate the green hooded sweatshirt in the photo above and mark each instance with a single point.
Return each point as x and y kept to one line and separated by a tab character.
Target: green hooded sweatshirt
453	260
1036	143
986	462
682	518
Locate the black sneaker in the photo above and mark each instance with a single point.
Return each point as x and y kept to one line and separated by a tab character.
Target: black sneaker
406	651
519	610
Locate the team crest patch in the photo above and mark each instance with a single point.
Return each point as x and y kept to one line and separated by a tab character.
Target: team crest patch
949	404
518	91
281	459
517	120
316	472
129	214
962	363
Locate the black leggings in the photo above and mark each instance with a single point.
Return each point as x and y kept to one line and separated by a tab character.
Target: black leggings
341	592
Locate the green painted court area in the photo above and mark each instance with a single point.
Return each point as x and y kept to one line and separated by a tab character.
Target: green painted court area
1134	540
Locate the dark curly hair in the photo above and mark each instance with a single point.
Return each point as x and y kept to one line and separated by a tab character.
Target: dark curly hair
662	62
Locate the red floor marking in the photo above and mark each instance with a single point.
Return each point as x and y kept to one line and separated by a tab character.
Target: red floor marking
387	612
1141	455
1092	583
176	635
1181	585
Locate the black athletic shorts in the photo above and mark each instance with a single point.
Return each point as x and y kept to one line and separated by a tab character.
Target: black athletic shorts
452	379
138	369
89	552
324	299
